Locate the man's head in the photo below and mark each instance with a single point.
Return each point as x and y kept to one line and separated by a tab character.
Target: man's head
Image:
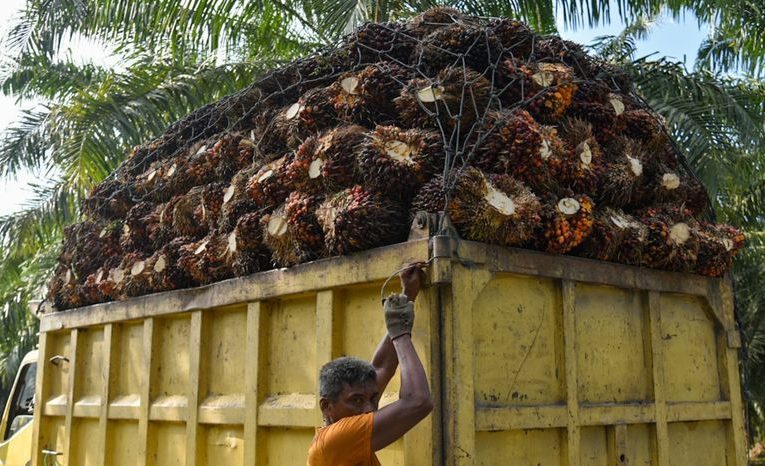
347	387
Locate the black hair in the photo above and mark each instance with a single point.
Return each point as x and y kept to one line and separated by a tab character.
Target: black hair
346	370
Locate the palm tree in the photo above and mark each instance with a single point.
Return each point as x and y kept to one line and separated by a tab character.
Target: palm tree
177	56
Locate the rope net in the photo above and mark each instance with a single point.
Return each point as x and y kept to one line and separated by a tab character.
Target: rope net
520	139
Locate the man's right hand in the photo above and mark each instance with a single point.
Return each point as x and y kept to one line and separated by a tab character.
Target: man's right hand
399	315
412	279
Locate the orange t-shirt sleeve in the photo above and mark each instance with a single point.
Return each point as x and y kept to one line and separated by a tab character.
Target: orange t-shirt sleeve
347	441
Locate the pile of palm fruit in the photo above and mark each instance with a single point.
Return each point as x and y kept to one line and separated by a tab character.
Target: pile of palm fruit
522	140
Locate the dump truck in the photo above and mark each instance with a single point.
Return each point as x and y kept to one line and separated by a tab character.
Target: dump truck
533	359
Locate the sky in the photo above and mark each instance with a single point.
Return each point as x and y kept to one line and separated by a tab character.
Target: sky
676	39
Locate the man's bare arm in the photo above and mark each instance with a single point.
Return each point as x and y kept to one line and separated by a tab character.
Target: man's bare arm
414	403
385	360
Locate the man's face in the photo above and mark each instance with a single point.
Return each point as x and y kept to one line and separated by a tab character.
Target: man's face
353	400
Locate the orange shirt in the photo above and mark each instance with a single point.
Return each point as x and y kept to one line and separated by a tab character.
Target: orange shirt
347	442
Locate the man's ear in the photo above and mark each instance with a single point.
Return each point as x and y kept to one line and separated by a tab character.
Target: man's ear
324	405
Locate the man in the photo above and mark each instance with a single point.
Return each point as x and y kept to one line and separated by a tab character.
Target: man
350	390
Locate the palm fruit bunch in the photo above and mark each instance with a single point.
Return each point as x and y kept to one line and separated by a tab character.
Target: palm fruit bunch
516	39
366	97
373	42
391	156
513	142
144	276
640	124
269	185
113	285
159	224
326	163
356	219
292	232
616	236
584	168
235	200
196	212
109	200
596	103
672	242
233	152
522	140
718	245
491	208
672	186
455	99
135	234
623	176
287	127
566	222
431	20
87	242
457	44
246	240
210	259
545	89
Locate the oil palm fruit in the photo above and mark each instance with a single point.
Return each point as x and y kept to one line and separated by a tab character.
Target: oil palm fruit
391	156
457	44
373	42
516	39
623	174
233	152
109	200
200	168
159	224
356	219
294	123
584	165
140	278
64	291
672	242
87	244
366	97
640	124
433	19
196	213
513	143
210	259
455	99
235	200
113	285
566	223
616	236
718	245
269	185
493	208
546	90
597	104
292	232
678	188
327	163
135	236
166	272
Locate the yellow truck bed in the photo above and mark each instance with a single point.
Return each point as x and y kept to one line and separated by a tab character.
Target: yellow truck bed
533	360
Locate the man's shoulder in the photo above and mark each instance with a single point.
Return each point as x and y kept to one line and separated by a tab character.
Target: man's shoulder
351	425
349	439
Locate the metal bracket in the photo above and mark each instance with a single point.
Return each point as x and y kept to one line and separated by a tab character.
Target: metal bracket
58	359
